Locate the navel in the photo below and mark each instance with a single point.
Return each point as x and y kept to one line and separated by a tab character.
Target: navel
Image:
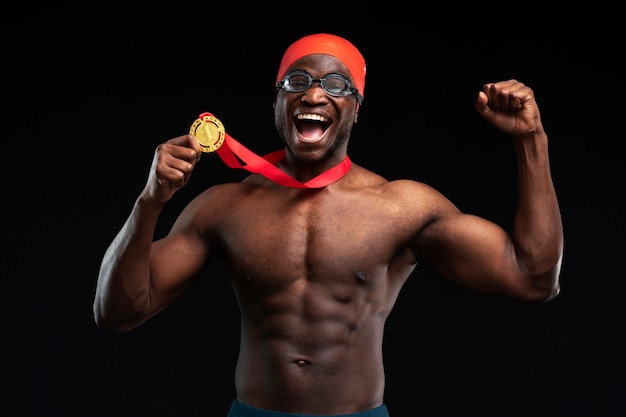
361	276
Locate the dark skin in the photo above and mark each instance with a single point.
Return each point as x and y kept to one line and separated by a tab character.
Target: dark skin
316	272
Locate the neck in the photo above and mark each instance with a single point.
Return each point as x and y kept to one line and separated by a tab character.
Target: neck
304	169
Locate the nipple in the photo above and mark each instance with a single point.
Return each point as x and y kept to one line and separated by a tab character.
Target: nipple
301	362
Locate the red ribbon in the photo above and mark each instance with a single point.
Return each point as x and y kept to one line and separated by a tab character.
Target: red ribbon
231	152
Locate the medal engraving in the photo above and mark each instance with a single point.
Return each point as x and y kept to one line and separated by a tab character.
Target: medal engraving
209	132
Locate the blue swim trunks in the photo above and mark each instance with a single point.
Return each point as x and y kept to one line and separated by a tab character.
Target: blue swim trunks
239	409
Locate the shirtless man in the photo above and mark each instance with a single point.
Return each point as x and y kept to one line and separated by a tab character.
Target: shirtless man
317	270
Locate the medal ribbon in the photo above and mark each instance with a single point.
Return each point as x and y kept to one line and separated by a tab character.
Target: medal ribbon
234	152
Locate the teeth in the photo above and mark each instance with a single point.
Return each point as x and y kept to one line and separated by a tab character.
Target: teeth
313	117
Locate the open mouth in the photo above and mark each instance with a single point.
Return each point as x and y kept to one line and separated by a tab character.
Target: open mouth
311	126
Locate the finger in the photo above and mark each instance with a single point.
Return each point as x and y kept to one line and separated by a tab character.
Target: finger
174	171
513	95
482	104
190	148
498	94
522	96
174	164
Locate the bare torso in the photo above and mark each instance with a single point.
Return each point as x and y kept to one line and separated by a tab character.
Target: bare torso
316	273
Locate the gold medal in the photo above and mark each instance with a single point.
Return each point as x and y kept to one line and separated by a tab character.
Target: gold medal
209	131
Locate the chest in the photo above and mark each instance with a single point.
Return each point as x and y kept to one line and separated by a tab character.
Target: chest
316	235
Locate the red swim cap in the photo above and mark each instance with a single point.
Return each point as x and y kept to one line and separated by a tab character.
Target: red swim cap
323	43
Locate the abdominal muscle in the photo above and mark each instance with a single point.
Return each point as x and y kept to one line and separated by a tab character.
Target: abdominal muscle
306	350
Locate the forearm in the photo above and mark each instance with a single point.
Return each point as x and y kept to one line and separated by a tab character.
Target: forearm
123	288
538	231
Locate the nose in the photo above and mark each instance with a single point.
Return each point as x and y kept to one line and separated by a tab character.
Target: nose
315	93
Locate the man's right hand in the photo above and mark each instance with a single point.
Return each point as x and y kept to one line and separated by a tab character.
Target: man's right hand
172	166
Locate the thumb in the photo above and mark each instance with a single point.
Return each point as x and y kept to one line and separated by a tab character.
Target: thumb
482	106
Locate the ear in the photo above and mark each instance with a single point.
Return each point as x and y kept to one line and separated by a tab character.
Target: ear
356	112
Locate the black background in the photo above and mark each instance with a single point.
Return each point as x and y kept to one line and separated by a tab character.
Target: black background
89	92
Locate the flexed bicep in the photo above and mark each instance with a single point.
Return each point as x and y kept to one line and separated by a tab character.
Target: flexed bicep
472	252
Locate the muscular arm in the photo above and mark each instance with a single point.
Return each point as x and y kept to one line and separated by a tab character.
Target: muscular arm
136	279
479	254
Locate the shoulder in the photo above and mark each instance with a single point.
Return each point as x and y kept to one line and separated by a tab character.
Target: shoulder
408	190
415	202
223	194
209	205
